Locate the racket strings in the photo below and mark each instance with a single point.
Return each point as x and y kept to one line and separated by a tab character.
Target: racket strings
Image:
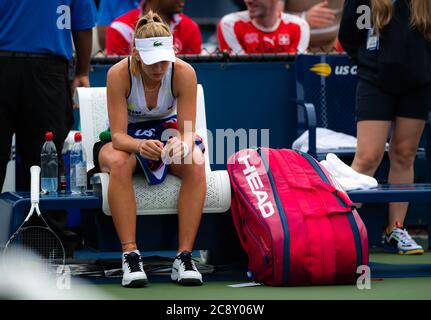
42	242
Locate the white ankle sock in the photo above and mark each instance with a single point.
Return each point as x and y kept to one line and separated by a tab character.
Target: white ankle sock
127	252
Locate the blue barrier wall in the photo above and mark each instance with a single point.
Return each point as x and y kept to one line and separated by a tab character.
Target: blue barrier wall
242	95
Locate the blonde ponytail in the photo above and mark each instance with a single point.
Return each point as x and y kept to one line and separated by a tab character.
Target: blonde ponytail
149	26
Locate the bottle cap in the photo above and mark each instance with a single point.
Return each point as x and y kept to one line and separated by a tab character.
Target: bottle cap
49	136
63	183
78	137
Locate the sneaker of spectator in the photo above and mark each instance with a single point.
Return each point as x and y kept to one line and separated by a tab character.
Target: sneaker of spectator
186	32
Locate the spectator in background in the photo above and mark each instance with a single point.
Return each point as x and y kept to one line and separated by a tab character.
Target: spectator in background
187	36
109	10
35	92
394	91
263	28
323	17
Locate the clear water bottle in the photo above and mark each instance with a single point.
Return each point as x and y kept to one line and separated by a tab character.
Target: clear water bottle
49	165
78	167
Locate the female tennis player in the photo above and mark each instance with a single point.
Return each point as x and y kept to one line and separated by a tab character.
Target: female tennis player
148	92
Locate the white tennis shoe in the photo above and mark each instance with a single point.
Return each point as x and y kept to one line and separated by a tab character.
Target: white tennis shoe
184	270
133	270
399	240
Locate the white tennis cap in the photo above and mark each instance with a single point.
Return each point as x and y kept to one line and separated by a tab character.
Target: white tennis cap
153	50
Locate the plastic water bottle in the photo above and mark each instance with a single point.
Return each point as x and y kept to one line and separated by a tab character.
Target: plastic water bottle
49	165
78	167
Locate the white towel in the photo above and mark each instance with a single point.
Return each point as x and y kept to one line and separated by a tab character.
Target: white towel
325	139
346	176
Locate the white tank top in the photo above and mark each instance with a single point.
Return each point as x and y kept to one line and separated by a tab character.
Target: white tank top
137	107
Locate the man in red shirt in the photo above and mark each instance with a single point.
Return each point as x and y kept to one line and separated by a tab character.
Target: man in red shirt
263	28
187	36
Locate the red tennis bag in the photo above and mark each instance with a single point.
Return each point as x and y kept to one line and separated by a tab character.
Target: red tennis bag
295	222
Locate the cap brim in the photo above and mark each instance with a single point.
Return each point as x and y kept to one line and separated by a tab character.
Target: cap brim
152	57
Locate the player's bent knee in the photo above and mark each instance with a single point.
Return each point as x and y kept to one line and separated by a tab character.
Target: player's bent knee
121	163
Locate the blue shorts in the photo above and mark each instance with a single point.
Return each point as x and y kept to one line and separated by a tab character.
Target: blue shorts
154	171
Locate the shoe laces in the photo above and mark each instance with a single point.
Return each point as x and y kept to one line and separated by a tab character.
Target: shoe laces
403	236
133	261
186	259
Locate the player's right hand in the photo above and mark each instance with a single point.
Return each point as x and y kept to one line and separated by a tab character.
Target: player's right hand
151	149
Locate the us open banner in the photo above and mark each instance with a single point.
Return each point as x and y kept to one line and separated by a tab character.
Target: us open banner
329	82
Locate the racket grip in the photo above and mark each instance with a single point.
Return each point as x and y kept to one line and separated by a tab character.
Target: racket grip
35	183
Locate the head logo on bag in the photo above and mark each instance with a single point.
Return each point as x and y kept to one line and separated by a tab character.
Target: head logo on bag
265	206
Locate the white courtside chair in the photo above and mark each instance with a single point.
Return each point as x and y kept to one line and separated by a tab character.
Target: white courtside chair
150	200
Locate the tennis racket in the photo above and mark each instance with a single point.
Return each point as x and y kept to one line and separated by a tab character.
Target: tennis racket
34	236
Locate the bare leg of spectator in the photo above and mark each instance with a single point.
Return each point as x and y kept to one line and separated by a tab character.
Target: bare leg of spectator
372	136
402	153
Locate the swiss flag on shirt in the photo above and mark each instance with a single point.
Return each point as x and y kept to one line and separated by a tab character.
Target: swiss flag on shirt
239	34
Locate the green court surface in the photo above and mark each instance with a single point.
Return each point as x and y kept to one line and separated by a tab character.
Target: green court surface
380	257
405	288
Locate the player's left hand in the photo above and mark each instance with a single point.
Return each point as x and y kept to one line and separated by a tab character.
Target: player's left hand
174	151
